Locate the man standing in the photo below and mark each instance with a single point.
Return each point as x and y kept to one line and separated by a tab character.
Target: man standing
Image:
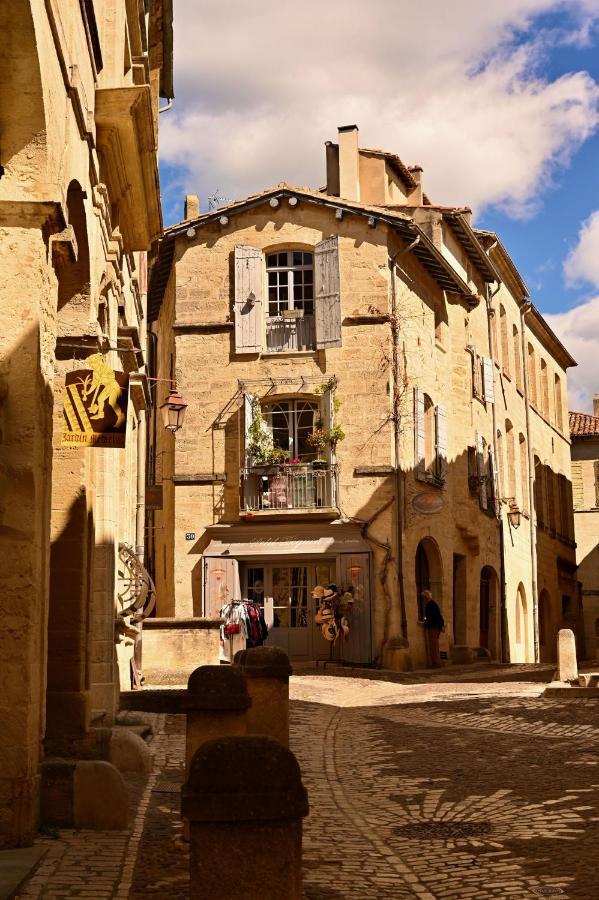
434	625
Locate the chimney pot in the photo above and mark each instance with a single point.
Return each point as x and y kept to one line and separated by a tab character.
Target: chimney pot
192	207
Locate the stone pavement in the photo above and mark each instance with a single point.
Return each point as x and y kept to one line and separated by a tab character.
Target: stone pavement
440	789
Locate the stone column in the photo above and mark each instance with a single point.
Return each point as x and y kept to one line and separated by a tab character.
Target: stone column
567	666
217	701
267	672
245	802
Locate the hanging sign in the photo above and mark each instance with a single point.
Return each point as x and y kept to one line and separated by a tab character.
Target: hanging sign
95	406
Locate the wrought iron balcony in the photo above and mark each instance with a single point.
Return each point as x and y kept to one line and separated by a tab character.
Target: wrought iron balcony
301	487
283	334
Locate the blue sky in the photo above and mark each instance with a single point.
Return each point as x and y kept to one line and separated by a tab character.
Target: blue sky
498	102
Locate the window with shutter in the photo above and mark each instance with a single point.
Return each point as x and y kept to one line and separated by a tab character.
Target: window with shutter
441	441
248	299
327	296
488	380
419	435
480	467
577	485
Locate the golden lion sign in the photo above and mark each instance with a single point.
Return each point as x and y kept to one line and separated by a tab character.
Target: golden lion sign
95	406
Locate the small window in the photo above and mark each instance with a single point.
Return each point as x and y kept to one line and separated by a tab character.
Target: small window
290	282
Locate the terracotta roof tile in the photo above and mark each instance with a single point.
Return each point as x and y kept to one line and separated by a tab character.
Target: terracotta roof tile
584	425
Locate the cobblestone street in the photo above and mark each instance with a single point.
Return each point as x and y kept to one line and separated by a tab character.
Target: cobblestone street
450	789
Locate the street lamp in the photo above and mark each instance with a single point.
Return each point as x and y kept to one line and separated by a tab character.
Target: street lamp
514	514
173	411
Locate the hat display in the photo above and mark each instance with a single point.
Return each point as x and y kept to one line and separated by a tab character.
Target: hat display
329	631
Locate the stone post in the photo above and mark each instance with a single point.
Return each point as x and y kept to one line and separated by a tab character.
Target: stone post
267	672
567	666
245	802
217	702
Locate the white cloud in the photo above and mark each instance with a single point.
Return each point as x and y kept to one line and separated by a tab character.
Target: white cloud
582	264
260	87
577	329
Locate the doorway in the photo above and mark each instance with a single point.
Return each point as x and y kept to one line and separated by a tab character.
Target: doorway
488	623
460	597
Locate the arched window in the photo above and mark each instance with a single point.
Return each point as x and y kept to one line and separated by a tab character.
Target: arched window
510	467
538	492
544	389
523	473
532	375
517	356
505	350
559	412
291	422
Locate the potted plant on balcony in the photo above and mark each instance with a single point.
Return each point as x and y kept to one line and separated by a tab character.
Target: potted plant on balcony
318	441
260	445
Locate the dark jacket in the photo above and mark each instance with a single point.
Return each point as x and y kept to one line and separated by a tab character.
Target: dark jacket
432	616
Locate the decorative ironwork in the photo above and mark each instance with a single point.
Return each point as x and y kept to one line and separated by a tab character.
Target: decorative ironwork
138	599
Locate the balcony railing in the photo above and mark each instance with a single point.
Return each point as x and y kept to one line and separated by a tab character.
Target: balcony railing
288	487
284	334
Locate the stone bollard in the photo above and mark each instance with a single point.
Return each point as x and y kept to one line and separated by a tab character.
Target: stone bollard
216	703
245	801
267	672
567	666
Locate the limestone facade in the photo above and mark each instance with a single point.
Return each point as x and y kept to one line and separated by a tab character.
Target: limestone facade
584	430
79	211
414	345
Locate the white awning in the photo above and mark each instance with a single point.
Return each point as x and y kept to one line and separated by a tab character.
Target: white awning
329	545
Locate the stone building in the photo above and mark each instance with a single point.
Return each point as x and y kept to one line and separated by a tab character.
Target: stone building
403	337
79	210
584	433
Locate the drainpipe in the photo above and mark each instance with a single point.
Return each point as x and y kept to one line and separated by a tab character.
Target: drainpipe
397	437
502	592
525	309
140	506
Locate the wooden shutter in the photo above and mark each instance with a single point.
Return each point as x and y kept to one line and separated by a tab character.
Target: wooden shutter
327	407
248	299
577	485
249	403
480	470
354	570
441	440
221	583
493	492
327	297
488	380
419	435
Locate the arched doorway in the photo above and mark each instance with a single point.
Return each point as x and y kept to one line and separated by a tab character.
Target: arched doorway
428	573
546	637
488	610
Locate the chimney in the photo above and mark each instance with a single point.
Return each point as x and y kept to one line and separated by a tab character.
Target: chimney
349	163
417	196
192	207
332	151
596	404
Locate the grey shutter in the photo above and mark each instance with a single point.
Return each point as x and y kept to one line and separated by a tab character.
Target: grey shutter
419	435
577	485
248	299
480	468
441	440
328	420
221	584
493	493
249	401
327	297
488	380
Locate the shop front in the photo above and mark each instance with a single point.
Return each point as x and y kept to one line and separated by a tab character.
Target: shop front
284	579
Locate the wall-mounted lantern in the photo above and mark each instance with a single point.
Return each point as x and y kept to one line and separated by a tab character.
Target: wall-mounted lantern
514	514
173	411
